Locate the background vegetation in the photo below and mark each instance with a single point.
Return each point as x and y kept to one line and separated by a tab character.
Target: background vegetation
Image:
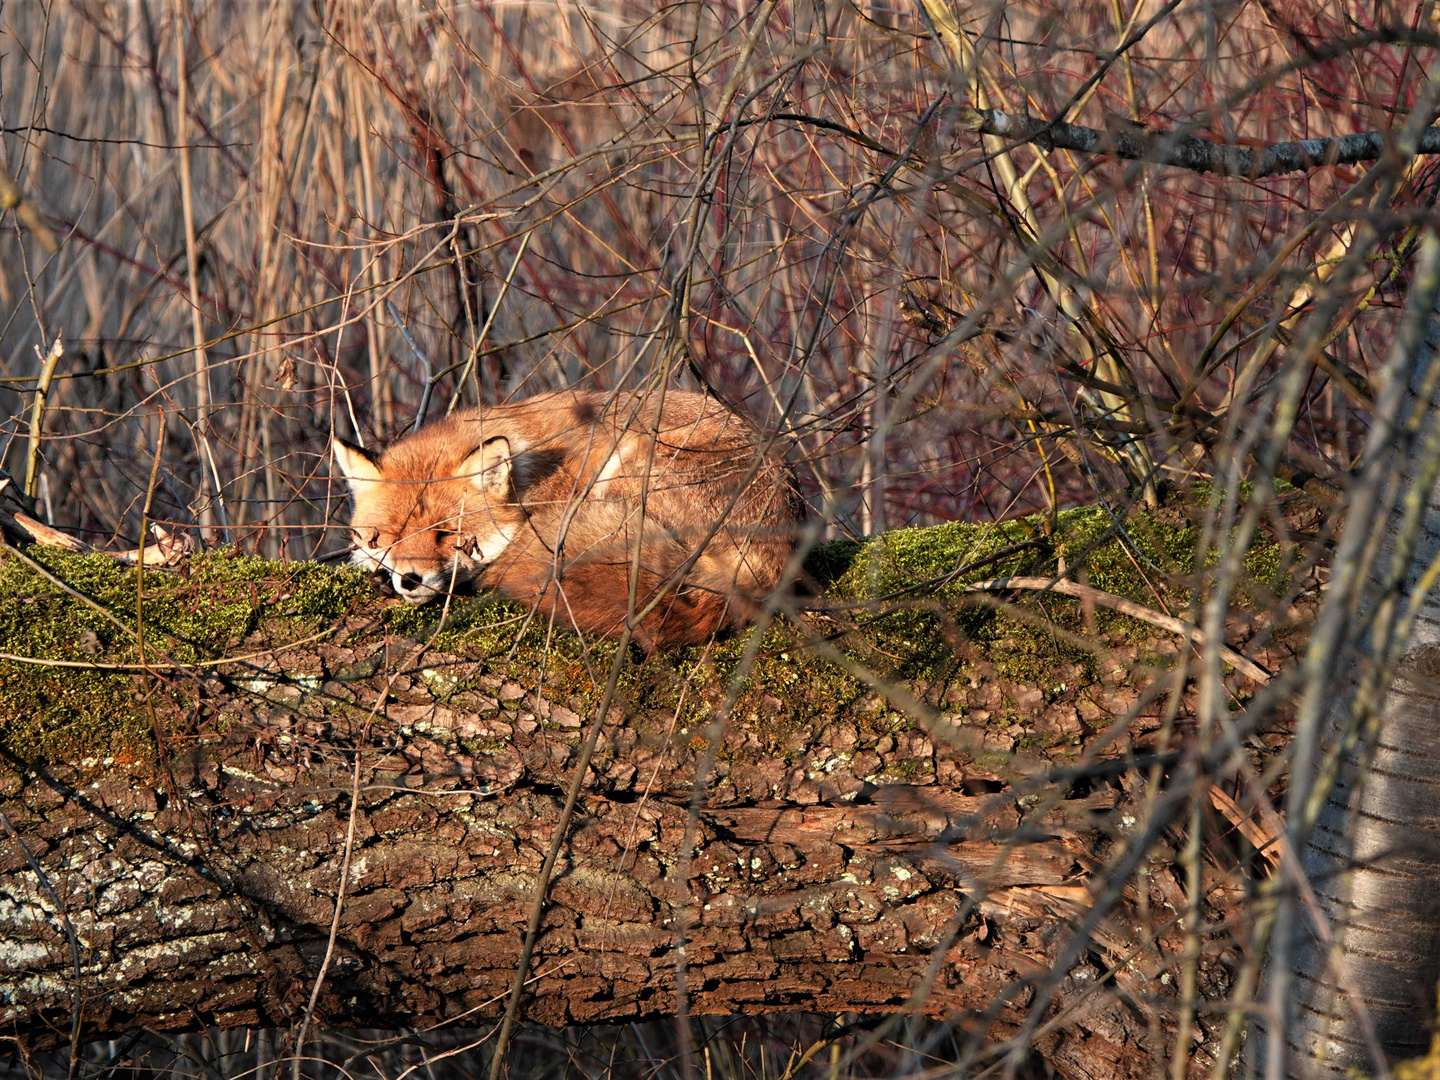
346	205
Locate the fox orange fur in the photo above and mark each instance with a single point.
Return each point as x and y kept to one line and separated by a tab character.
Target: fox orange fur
545	501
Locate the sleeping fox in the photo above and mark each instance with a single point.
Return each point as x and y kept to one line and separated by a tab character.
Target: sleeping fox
547	500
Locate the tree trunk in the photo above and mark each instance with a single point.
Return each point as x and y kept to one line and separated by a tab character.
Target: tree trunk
845	857
1368	982
185	915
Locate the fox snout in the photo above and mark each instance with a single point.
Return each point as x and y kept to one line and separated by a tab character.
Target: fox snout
421	588
426	525
412	587
429	563
416	576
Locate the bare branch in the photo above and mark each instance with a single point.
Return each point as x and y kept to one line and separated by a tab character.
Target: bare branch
1135	143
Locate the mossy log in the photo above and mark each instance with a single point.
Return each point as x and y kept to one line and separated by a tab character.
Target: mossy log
906	815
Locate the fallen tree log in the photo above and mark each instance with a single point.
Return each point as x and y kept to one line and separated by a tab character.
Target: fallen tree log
915	819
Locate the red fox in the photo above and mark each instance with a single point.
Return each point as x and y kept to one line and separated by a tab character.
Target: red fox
545	501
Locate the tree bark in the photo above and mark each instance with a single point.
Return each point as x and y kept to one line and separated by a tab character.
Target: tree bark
1132	142
1365	961
844	857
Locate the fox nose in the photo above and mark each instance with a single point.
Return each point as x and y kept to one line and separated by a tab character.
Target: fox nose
409	583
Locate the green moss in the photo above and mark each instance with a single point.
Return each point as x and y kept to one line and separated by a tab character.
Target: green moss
65	715
909	586
907	558
202	613
1267	566
909	770
897	606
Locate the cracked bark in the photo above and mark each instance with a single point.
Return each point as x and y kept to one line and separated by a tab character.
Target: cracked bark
834	861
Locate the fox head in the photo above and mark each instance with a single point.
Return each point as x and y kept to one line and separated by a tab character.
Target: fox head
430	513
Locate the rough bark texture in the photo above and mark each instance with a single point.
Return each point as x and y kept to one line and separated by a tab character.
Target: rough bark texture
1373	859
843	853
1364	991
1134	143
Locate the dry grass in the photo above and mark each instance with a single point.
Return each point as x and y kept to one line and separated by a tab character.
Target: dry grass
539	196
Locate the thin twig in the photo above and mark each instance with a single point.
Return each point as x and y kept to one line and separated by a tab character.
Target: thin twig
88	665
424	406
484	330
562	828
206	516
37	417
1189	631
339	907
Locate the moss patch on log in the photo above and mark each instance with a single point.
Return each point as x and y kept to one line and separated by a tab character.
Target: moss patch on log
894	607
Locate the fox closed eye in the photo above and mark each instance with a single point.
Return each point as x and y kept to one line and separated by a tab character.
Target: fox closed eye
373	538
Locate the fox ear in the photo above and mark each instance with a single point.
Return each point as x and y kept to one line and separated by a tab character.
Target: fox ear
489	468
358	466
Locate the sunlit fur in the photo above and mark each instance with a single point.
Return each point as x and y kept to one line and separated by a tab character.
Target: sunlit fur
542	502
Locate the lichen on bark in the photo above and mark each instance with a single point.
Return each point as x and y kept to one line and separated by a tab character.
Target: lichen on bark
893	784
